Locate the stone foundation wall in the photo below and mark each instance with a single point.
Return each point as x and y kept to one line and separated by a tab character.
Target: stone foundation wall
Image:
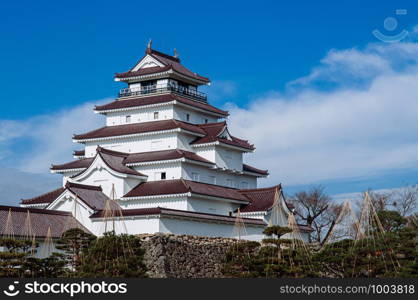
184	256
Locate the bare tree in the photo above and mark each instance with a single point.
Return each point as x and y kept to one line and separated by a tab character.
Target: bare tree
380	200
405	200
327	221
312	207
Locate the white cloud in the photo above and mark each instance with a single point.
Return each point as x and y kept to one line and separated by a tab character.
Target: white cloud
220	89
349	131
49	137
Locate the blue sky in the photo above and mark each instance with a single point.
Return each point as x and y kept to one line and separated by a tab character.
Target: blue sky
59	57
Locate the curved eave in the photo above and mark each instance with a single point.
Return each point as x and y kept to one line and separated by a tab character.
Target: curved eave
217	143
104	138
116	173
195	80
169	161
59	171
173	102
255	174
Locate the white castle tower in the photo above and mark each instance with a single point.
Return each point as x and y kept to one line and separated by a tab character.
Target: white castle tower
170	159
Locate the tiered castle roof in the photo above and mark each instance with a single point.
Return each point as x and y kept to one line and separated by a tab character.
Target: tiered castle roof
168	64
133	103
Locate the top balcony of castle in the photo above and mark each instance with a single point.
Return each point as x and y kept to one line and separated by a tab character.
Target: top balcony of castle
163	89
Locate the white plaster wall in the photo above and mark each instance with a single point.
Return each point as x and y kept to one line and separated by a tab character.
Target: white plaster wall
79	210
105	179
230	159
184	142
130	225
206	152
206	175
211	206
172	203
140	115
196	117
67	175
164	141
173	170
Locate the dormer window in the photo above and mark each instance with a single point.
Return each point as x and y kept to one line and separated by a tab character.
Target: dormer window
128	119
156	115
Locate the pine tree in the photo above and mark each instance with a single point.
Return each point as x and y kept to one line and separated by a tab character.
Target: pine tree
73	244
13	257
114	256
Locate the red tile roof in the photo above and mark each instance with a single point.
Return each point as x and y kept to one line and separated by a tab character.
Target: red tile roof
169	62
182	214
132	158
156	99
40	220
248	168
114	160
44	198
76	164
213	132
129	129
164	155
91	195
145	71
79	153
261	199
182	186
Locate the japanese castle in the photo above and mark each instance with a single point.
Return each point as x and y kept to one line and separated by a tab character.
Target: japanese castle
165	162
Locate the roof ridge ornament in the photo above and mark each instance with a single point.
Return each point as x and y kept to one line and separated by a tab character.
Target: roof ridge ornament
176	54
149	46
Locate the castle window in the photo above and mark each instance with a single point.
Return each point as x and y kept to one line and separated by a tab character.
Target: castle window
244	185
206	121
229	183
187	117
156	115
160	175
195	176
128	119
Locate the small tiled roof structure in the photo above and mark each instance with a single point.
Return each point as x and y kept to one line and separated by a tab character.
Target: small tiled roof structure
79	153
182	186
213	133
261	199
40	219
157	99
114	160
134	158
76	164
183	214
169	63
44	198
164	155
91	195
248	168
137	128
